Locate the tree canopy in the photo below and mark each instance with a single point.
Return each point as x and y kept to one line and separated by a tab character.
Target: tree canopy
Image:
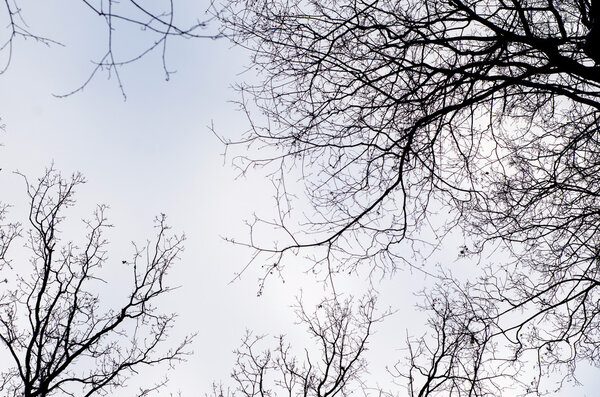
410	120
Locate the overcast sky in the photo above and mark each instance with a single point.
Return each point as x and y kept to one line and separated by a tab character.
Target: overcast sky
151	154
154	153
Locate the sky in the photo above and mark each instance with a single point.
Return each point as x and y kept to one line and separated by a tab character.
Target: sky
154	153
150	154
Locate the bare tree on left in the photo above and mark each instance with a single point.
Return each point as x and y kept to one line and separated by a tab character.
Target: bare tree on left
56	331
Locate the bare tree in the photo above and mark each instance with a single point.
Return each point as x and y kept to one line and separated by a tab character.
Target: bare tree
58	337
341	331
395	110
159	22
410	120
461	355
513	328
